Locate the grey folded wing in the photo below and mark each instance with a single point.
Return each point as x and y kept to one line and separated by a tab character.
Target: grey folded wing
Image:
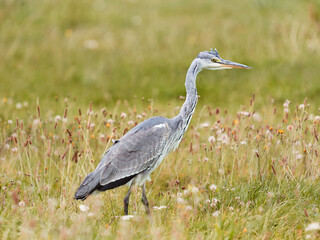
135	152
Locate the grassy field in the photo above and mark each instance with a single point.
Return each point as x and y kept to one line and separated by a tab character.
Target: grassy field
77	74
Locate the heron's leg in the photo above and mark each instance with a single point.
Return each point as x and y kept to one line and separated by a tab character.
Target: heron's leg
144	199
126	201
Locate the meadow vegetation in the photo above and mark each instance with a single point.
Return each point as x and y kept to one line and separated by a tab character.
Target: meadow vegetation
77	74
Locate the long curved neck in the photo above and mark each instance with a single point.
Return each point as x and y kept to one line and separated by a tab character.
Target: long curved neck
189	105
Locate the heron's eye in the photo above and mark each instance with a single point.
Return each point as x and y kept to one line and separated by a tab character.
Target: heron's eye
215	60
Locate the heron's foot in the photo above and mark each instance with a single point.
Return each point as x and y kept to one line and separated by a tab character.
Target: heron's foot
126	201
144	199
126	207
146	204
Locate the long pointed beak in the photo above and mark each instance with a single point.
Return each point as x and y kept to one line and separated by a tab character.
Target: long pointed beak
233	64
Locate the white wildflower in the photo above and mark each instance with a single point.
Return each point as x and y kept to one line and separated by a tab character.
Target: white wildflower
216	214
83	208
301	106
159	208
213	187
22	204
91	44
89	112
14	150
244	142
127	217
130	123
195	190
9	121
313	226
188	208
208	201
123	115
180	200
139	116
204	125
256	117
224	139
242	113
36	122
215	200
212	139
289	128
215	126
212	205
110	121
231	208
317	118
57	118
219	132
18	105
286	104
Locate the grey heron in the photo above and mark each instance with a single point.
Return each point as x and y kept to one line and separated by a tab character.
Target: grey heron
132	158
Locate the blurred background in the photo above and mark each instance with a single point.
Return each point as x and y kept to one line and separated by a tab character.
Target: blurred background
103	51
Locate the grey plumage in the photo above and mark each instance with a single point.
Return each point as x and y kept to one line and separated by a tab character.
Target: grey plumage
139	152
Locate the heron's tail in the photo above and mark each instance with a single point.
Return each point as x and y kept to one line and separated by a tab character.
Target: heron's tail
89	184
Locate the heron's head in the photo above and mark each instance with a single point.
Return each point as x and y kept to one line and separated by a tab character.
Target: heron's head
212	61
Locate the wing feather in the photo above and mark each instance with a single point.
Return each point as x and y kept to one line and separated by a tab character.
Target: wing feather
136	151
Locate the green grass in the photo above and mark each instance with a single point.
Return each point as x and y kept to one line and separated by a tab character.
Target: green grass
265	167
131	57
147	46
